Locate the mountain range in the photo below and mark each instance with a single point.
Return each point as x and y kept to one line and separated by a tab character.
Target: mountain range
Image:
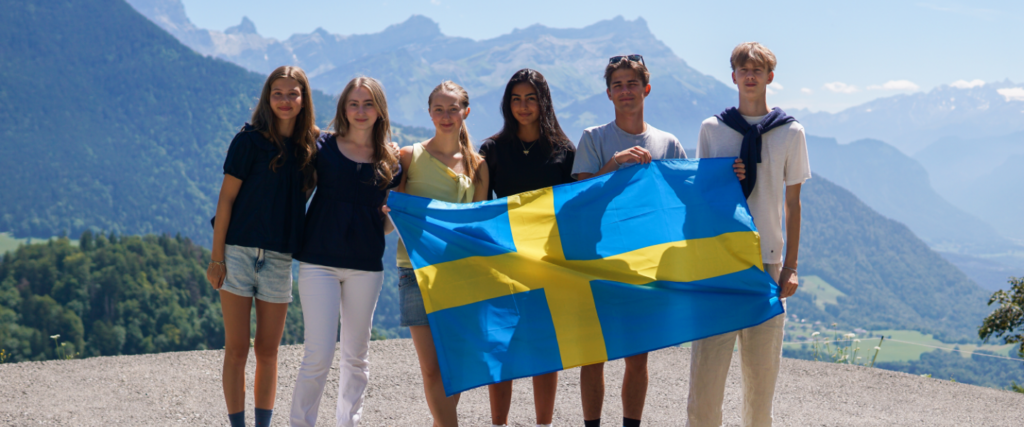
411	57
132	141
912	122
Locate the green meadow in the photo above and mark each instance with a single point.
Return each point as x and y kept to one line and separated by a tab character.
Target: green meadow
9	243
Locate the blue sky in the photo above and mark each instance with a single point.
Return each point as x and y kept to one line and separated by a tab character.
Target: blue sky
832	55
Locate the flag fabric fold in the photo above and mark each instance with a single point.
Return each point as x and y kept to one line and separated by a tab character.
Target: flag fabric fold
625	263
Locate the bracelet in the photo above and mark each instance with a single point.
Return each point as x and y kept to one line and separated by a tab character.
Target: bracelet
219	263
789	268
614	160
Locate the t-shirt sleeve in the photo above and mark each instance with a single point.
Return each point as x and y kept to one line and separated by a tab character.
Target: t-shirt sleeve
798	165
489	152
587	158
703	143
680	153
240	156
567	165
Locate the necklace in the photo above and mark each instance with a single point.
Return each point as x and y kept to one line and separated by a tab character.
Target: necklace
526	151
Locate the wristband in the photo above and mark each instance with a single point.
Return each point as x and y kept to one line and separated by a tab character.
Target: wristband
219	263
615	160
789	268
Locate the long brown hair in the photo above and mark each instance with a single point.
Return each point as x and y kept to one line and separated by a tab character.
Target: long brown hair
470	158
305	132
385	162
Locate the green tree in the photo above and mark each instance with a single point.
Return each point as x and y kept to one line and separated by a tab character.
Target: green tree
1007	321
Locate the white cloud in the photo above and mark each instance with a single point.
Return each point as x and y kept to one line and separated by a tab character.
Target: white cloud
806	90
774	88
896	85
1012	93
840	87
435	2
964	84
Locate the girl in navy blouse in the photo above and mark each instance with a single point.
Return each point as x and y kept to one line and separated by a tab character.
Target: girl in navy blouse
341	272
531	152
258	226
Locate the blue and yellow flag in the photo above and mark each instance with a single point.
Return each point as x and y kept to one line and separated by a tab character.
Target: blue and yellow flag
644	258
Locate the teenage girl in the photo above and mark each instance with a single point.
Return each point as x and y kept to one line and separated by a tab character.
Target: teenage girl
341	273
531	152
259	222
444	168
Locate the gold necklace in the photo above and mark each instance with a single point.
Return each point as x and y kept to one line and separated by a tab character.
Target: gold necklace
526	151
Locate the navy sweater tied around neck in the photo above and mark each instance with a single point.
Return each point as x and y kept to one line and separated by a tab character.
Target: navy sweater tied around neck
750	150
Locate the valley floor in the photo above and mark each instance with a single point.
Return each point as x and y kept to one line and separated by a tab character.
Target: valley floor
184	389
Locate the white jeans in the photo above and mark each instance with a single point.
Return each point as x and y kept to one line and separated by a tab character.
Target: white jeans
760	349
327	293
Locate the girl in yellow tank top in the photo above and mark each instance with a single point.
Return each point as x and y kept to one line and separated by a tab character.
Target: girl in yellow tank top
446	168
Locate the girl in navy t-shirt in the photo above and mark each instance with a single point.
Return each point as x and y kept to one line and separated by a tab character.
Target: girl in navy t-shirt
258	226
341	273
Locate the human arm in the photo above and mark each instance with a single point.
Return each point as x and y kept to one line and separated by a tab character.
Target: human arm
636	154
404	159
482	187
788	280
217	270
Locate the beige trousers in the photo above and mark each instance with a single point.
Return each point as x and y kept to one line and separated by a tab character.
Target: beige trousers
760	349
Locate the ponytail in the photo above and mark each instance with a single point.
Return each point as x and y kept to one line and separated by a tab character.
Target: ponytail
470	158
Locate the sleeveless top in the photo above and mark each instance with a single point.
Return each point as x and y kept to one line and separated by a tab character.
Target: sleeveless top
428	177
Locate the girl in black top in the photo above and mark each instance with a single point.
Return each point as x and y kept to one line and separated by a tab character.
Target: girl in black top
341	273
531	152
258	226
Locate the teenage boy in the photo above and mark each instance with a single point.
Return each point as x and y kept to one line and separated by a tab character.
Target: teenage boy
774	149
602	149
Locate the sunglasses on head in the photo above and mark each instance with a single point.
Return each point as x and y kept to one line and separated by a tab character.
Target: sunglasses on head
632	57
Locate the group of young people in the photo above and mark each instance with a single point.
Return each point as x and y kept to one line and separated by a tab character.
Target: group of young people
275	162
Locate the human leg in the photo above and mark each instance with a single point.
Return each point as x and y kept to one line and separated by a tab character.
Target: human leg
592	390
359	293
270	318
634	386
235	311
544	389
500	395
709	367
320	295
760	358
441	407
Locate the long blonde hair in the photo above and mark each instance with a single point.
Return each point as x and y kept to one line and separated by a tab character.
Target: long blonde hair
470	158
305	132
385	161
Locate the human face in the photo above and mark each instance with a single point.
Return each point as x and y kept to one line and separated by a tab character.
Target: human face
524	104
446	113
752	79
286	98
360	111
626	91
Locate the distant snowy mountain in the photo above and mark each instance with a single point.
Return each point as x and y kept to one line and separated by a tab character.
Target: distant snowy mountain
411	57
911	122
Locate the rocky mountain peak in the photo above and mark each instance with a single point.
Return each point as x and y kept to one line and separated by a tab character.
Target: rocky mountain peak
246	27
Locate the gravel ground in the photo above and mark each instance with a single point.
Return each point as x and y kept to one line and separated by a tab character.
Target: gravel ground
184	389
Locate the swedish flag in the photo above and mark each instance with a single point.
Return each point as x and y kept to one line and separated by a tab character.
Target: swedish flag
644	258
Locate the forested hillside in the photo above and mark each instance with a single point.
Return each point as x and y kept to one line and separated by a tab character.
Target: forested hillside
112	124
890	278
112	295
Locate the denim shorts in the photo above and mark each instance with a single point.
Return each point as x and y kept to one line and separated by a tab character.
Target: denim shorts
255	272
411	299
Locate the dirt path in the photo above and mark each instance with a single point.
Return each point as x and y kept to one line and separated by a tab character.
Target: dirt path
184	389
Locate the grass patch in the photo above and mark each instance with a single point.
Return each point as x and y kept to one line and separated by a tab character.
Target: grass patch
892	351
823	292
9	243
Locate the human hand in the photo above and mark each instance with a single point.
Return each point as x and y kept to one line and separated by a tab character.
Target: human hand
385	209
739	169
215	273
636	154
788	282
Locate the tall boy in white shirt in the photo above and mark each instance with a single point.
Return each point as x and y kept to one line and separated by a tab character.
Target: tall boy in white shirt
774	150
